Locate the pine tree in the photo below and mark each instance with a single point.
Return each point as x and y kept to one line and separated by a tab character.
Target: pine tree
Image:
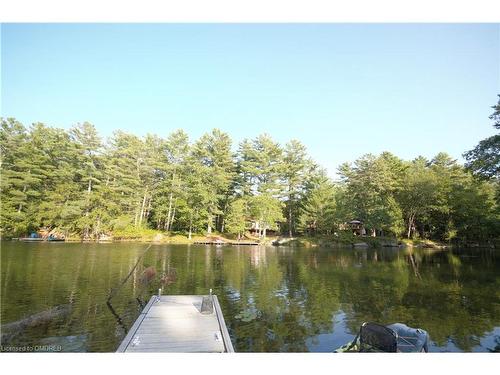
123	173
172	179
213	154
17	178
296	166
89	173
237	217
317	215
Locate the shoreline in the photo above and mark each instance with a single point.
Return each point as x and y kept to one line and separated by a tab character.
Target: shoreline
300	241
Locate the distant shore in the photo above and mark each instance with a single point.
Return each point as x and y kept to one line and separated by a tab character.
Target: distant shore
356	242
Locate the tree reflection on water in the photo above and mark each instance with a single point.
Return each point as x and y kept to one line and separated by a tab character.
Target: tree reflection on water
274	299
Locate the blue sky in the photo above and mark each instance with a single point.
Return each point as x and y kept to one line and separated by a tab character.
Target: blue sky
342	89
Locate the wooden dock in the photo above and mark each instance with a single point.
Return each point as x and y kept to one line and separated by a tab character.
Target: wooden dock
176	324
233	243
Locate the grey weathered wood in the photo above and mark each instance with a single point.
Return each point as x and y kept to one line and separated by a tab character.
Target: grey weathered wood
233	243
135	326
176	324
225	334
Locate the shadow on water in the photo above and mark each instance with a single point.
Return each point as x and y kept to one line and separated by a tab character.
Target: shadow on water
274	299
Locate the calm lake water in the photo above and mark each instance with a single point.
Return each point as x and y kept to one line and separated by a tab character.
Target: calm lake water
274	299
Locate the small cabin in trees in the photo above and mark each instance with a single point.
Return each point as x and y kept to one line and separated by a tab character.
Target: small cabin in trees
256	229
357	227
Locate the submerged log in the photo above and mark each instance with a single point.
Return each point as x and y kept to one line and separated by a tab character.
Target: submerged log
10	330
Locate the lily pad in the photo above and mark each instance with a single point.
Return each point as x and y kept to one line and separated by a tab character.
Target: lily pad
247	315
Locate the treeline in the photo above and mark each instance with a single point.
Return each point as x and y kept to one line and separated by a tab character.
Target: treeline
73	181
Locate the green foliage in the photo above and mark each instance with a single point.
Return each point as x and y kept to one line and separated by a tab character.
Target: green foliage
297	170
484	159
212	154
495	116
430	200
319	208
371	187
267	211
134	233
418	193
237	216
72	181
261	168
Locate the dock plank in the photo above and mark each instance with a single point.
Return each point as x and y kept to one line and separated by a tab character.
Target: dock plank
175	324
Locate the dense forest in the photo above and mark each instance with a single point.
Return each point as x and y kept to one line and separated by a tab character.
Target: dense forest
73	181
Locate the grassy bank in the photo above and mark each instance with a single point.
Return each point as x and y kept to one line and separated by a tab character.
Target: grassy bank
349	240
424	243
131	234
142	235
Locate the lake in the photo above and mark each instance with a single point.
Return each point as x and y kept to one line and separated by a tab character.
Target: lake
274	299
